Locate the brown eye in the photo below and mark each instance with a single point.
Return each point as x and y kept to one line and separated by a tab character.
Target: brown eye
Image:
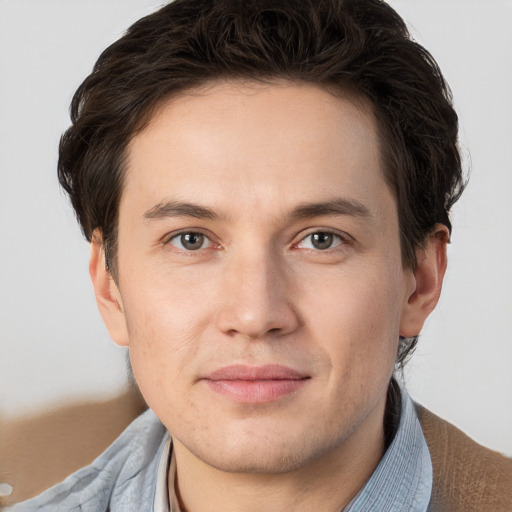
190	241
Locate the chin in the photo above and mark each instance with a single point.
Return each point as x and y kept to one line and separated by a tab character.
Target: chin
266	463
257	454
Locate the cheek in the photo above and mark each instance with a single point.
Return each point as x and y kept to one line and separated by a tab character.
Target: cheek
164	321
357	317
164	305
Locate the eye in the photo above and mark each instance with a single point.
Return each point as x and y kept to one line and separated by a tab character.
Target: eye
321	241
190	241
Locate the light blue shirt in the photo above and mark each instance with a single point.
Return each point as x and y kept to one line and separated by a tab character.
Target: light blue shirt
127	477
402	482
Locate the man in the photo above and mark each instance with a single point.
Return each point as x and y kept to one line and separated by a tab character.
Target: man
266	188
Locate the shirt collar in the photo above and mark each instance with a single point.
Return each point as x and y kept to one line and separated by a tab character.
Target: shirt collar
161	501
401	482
403	479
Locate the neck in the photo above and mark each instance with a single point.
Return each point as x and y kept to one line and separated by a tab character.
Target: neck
326	484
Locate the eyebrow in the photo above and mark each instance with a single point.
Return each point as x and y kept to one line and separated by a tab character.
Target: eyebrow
179	209
338	206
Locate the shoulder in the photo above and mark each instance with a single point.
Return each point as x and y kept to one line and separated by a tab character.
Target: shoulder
124	466
467	476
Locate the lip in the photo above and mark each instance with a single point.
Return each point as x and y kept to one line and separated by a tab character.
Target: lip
255	384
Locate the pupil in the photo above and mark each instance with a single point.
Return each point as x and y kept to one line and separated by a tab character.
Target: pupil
322	240
192	241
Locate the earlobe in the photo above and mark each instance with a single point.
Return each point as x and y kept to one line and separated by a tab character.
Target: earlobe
428	280
108	297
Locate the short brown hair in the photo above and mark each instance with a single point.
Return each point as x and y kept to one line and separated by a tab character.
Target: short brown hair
361	45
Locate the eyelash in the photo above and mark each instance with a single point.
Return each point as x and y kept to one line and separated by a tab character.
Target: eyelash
342	240
181	234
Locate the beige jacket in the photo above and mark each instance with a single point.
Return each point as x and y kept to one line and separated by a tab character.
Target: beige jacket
467	476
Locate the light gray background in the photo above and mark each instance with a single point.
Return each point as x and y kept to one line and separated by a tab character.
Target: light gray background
54	348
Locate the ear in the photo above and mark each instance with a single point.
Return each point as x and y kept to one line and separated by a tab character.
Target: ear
428	281
107	293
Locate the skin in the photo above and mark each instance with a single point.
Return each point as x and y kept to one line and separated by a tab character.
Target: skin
255	290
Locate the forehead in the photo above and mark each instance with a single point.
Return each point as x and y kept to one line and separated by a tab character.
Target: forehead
276	143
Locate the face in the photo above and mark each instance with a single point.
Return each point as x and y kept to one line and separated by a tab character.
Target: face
261	290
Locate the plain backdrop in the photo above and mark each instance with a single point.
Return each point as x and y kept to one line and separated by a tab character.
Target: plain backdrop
54	348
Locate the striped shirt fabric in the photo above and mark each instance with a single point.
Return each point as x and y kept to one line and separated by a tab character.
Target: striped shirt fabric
132	474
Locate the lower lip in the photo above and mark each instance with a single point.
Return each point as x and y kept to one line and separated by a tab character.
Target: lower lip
256	391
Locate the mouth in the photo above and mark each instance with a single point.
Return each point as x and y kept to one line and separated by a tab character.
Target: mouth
255	384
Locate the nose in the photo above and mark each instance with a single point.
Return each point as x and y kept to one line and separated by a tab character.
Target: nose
256	298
